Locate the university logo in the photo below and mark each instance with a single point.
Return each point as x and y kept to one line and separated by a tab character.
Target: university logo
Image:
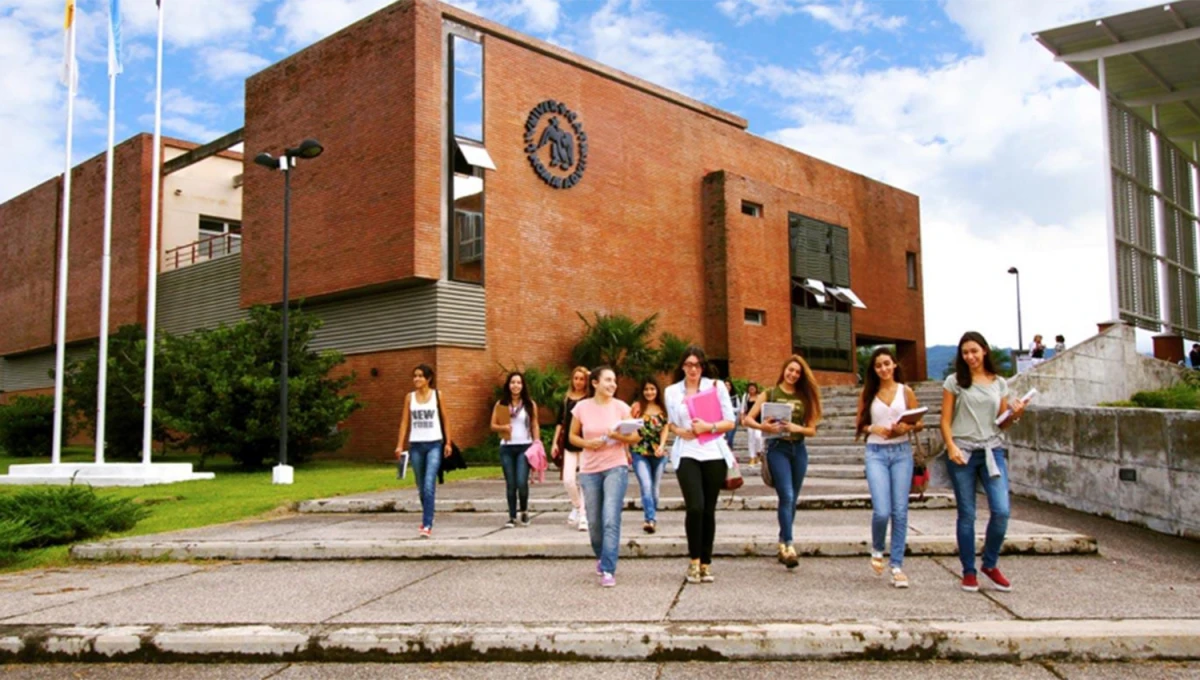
556	144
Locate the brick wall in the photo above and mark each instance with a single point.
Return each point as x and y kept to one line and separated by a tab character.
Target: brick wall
354	215
29	253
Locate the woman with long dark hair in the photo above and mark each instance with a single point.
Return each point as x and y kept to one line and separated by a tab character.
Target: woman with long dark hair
649	454
889	457
425	434
577	392
603	467
972	399
787	454
699	467
515	419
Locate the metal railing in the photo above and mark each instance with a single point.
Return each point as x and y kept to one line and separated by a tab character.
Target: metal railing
207	248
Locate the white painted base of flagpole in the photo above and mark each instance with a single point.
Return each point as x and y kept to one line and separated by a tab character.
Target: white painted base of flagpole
103	474
283	474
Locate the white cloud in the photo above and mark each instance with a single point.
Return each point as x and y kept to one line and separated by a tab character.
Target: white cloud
307	21
178	102
1003	149
221	63
847	15
633	40
187	23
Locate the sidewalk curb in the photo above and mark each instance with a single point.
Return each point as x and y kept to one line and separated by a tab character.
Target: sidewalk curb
933	501
1072	640
564	547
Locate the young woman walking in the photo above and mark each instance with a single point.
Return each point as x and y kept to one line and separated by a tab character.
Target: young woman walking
603	468
889	458
754	440
972	398
515	419
787	454
649	454
425	434
570	453
699	467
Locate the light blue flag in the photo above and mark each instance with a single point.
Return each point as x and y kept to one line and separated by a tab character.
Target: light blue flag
114	37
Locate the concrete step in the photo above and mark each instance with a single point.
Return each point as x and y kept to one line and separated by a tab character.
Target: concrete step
837	471
731	502
1159	646
749	533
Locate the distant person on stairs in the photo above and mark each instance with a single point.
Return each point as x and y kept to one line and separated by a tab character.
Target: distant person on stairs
787	455
889	458
754	440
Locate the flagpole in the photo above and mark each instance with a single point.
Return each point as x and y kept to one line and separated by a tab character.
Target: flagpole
64	246
114	67
152	284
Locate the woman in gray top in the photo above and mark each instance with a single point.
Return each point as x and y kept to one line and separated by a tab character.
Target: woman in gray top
972	399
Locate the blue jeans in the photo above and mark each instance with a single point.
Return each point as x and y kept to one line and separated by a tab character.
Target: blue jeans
604	498
889	476
789	463
516	476
964	478
649	471
426	459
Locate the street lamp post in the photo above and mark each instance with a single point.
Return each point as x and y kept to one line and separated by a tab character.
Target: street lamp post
309	148
1020	335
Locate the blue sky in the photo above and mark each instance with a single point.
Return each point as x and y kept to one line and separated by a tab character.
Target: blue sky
949	99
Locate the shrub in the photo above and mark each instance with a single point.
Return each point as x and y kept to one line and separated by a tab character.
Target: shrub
125	395
64	514
1175	397
224	392
27	426
13	533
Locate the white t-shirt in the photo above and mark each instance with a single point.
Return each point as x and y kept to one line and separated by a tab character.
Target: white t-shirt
424	424
888	414
520	425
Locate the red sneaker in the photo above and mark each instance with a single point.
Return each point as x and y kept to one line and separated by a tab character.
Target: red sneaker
998	581
970	583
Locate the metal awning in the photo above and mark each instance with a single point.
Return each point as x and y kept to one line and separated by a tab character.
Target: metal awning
1152	59
475	153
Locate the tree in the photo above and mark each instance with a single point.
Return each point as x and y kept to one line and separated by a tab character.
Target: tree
620	342
124	408
27	426
225	391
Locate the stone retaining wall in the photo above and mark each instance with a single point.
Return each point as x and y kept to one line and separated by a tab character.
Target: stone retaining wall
1134	465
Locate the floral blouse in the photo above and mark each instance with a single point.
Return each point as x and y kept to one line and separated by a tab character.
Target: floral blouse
651	433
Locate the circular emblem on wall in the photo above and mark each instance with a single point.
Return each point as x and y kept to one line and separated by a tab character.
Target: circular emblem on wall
556	144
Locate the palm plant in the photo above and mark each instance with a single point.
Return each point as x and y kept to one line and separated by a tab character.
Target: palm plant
620	342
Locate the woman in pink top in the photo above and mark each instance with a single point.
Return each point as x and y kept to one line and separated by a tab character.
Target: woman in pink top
603	467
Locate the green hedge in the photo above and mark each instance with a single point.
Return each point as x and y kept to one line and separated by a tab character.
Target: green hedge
57	515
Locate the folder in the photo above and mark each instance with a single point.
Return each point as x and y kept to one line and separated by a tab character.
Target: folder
706	406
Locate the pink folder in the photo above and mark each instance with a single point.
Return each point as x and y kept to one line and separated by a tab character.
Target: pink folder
706	406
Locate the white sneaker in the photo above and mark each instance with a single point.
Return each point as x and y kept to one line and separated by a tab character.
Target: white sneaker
583	524
574	516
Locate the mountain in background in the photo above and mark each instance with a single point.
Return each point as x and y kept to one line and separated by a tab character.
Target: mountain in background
938	357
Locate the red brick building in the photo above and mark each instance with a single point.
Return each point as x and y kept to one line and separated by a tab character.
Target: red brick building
615	196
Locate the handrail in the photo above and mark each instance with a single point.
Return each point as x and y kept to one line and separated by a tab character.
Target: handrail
207	248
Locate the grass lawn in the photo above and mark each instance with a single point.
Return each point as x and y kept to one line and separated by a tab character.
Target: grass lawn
233	495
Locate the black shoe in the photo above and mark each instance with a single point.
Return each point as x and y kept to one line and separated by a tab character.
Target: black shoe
512	522
524	519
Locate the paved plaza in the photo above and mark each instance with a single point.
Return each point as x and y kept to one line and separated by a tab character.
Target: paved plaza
349	580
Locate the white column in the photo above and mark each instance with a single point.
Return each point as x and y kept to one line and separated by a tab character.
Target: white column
1109	210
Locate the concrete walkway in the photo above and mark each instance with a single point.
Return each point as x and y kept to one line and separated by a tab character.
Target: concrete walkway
1132	598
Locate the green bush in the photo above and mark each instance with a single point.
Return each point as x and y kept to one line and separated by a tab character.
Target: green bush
1176	397
487	453
27	426
224	392
125	402
13	533
64	514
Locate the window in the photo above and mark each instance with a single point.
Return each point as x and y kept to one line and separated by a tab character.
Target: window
910	260
470	159
821	295
751	209
469	228
218	236
756	317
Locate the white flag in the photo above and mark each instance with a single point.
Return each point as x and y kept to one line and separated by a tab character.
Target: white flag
114	37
